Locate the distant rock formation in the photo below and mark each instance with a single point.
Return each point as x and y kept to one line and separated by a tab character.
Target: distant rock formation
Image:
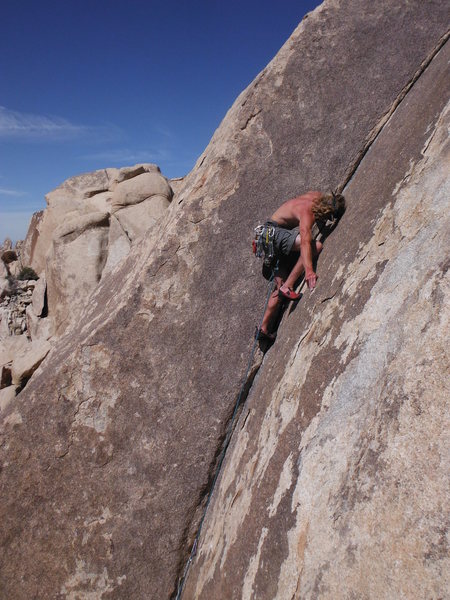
88	228
18	357
334	483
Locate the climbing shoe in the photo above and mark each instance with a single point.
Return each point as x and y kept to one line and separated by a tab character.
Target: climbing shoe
288	294
262	336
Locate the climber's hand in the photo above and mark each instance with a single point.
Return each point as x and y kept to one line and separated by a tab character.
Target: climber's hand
311	280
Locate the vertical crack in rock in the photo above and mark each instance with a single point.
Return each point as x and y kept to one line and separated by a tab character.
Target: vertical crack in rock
207	490
385	119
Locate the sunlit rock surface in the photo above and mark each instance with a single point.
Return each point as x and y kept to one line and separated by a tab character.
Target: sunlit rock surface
87	229
105	191
339	472
108	453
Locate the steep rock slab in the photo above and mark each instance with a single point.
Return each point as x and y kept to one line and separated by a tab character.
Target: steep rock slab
338	474
110	450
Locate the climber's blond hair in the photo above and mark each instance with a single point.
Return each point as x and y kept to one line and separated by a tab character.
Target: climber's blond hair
328	206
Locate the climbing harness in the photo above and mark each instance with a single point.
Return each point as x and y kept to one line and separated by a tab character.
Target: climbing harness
226	443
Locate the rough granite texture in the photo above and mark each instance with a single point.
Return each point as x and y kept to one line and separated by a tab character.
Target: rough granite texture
107	454
76	237
337	481
104	191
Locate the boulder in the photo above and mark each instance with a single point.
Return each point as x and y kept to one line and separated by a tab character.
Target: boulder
142	187
26	363
135	220
82	186
121	430
68	201
85	194
71	239
74	266
39	296
7	395
100	202
129	172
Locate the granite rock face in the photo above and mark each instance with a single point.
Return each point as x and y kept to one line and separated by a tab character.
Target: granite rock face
111	447
339	471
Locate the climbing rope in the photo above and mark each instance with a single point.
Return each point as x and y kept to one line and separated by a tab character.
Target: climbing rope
224	448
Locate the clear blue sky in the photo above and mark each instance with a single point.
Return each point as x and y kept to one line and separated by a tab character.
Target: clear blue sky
89	84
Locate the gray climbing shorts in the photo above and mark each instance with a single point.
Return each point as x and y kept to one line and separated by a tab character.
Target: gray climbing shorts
283	239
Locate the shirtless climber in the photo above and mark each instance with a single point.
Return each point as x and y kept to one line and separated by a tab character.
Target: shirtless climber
294	247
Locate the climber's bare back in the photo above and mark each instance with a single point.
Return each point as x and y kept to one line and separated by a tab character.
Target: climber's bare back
292	211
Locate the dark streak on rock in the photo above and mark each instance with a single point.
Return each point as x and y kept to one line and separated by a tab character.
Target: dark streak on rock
249	119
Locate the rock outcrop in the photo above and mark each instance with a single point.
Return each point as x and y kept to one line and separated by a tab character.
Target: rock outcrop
88	226
104	191
81	241
108	453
